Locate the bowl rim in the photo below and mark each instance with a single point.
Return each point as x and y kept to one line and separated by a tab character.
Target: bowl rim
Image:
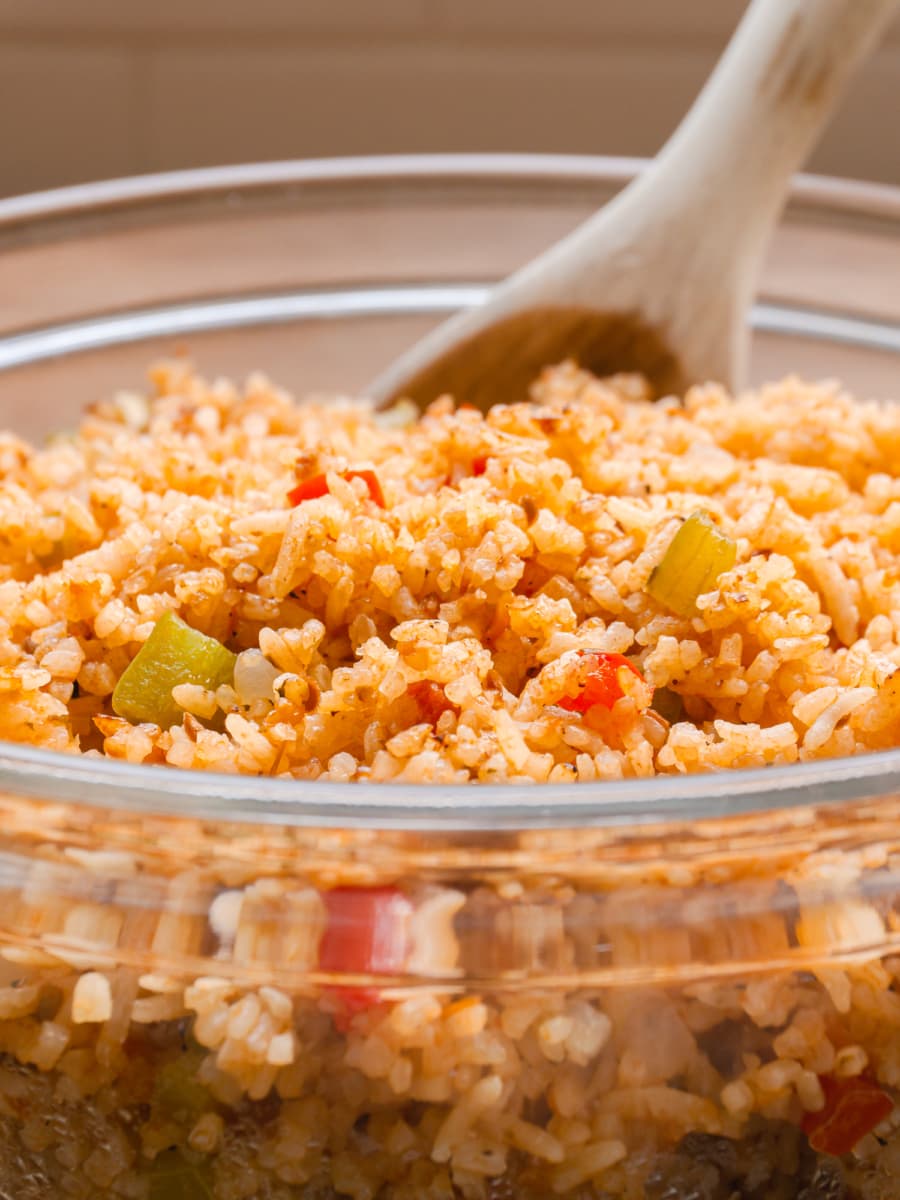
439	808
823	192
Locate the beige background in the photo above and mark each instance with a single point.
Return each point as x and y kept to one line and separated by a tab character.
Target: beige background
98	88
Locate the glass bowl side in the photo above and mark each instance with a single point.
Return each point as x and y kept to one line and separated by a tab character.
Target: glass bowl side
476	993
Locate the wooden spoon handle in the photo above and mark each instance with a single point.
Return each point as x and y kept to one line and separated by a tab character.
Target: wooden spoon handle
676	254
702	212
694	224
763	108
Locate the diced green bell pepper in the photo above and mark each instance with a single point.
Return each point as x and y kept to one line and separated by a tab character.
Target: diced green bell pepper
173	654
178	1093
172	1177
668	704
697	555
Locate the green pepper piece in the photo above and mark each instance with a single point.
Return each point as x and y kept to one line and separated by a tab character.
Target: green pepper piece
178	1093
173	1177
668	704
697	555
174	653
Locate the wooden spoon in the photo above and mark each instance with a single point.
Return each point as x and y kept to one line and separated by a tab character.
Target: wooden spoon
661	279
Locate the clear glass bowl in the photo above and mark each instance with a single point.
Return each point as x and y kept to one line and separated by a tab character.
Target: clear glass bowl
236	988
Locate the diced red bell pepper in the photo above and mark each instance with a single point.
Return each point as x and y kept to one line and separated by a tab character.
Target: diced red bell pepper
350	1002
312	489
853	1108
431	699
309	489
371	481
602	684
366	934
479	465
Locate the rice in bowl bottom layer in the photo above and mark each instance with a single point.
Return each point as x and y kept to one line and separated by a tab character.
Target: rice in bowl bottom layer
284	1065
680	1095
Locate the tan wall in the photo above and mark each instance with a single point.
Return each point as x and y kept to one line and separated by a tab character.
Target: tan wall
95	88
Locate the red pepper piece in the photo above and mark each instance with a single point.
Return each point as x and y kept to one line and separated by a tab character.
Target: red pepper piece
602	684
853	1108
431	699
371	481
366	934
309	489
352	1001
479	465
312	489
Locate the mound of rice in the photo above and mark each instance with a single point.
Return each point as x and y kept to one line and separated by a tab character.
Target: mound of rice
429	639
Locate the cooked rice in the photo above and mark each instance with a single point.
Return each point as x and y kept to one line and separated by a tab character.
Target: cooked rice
608	1026
480	586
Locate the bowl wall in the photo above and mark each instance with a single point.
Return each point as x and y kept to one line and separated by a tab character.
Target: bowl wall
284	267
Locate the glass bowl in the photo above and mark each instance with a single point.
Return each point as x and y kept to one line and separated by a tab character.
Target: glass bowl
217	988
